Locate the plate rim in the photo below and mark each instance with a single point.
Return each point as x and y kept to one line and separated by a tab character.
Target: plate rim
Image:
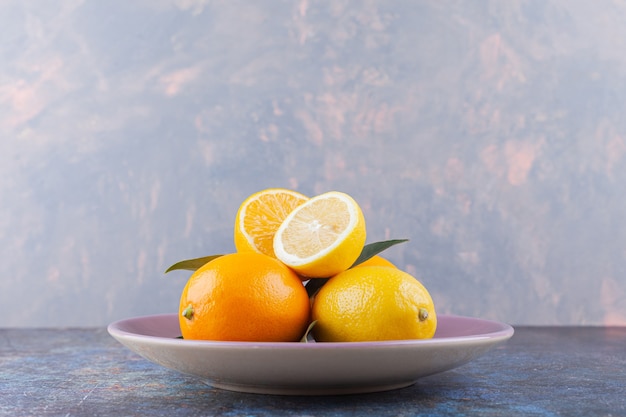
505	331
219	363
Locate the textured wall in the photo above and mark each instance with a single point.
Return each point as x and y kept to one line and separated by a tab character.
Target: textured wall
492	134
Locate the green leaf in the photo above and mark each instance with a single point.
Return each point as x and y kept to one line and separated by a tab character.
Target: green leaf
369	250
305	338
375	248
314	284
191	264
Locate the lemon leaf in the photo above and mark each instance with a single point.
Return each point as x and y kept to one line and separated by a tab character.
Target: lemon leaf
191	264
369	250
305	338
375	248
314	284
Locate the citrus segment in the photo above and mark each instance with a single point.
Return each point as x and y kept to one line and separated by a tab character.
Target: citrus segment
323	236
373	303
260	215
244	296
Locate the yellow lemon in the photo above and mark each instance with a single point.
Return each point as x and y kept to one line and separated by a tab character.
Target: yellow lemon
260	215
323	236
373	303
377	260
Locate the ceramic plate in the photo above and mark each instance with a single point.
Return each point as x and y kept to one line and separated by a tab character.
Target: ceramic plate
310	368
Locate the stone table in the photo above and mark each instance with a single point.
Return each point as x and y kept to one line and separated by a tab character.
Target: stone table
541	371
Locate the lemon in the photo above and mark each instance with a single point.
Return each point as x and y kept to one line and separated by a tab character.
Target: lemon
373	303
323	236
377	260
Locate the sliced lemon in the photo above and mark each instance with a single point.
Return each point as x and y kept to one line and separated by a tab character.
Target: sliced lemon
260	215
323	236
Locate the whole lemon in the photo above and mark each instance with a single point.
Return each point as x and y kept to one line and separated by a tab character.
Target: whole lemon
244	296
377	260
373	303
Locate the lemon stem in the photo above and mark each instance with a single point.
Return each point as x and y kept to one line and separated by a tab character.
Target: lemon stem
423	314
188	312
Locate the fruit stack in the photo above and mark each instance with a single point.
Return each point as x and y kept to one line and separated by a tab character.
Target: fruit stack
302	266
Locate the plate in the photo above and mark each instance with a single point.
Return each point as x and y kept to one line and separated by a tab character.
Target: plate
310	368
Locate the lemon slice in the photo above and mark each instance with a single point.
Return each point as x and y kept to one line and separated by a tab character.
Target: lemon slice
321	237
260	215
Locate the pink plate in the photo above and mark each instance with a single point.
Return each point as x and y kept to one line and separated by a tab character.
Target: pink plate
310	368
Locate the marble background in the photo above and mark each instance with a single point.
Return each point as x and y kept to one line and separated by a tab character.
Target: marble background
491	134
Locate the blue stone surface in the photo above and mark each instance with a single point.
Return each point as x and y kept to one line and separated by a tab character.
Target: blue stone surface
541	371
